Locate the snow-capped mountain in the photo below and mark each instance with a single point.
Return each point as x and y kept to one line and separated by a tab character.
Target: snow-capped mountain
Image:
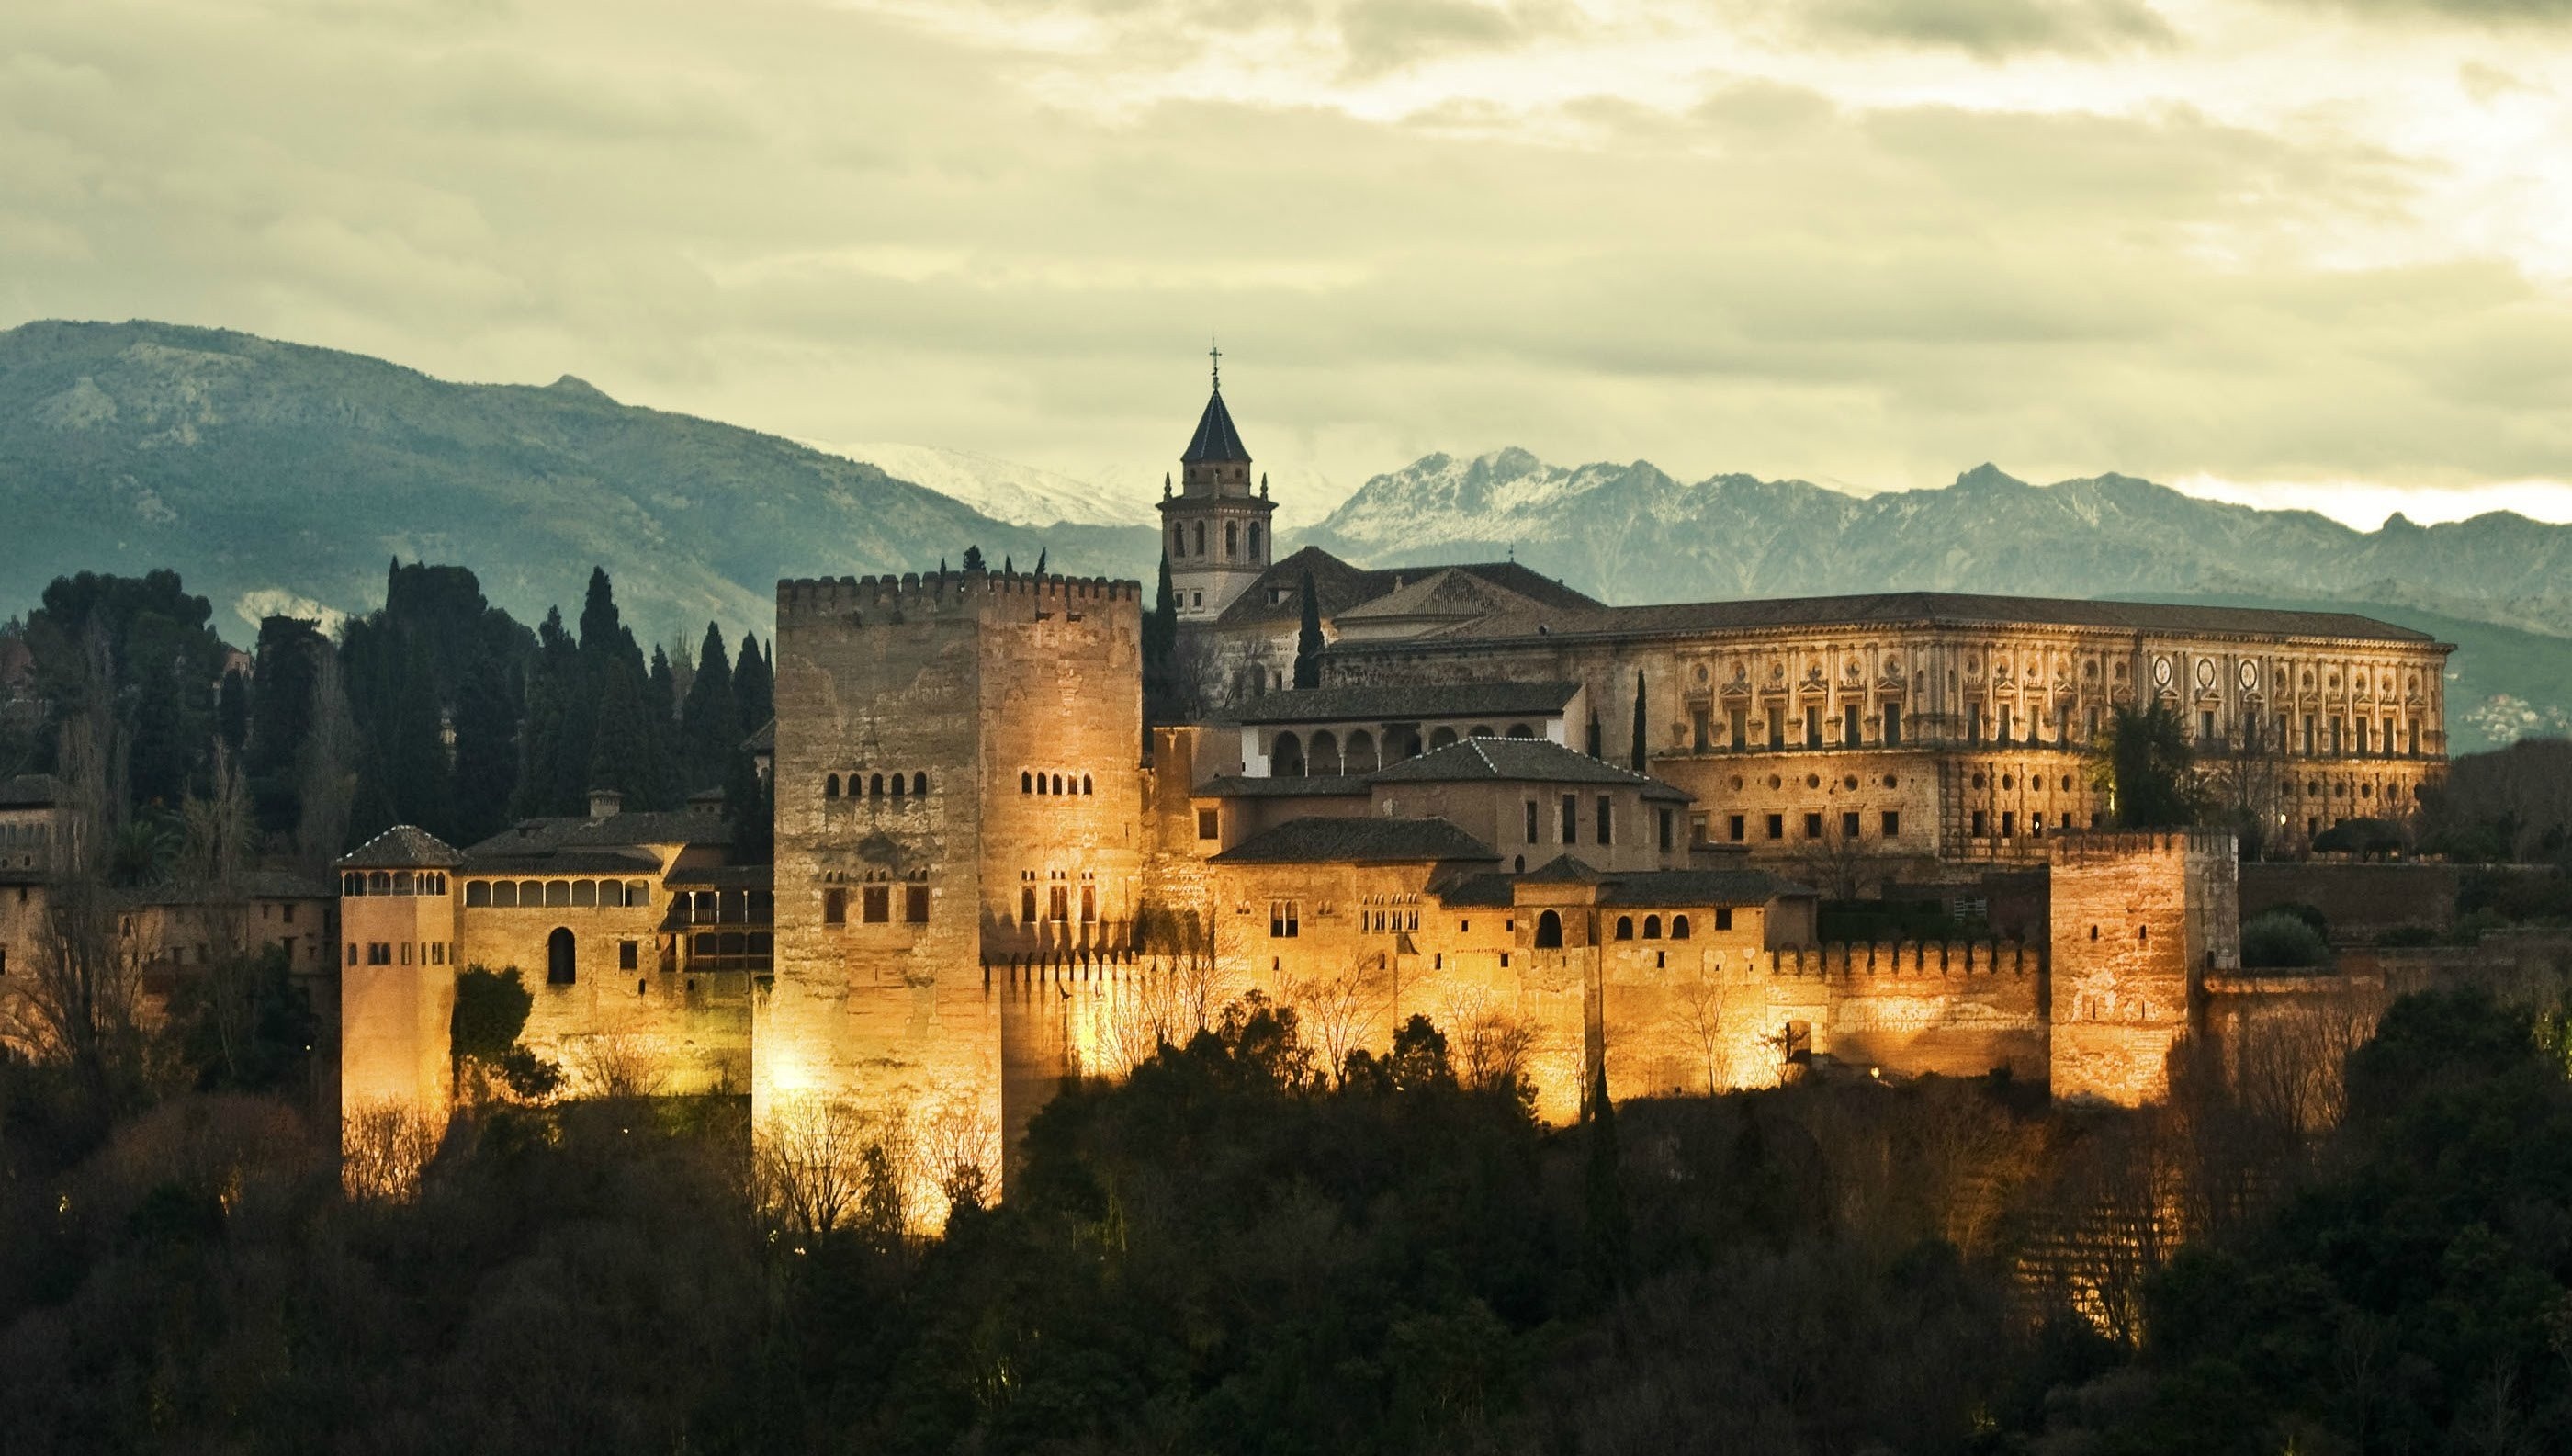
1004	489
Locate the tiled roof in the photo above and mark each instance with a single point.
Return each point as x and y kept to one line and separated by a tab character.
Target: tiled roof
1215	441
763	741
1562	870
1518	760
722	877
605	860
1343	587
1410	702
403	846
1365	840
1481	890
608	831
1937	608
256	885
1449	593
30	791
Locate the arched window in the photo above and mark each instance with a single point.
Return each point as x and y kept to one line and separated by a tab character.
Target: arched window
1286	756
379	882
1440	739
874	787
1058	783
1200	538
1549	932
1651	927
478	894
1084	784
1360	756
1521	730
1178	540
1624	927
504	895
1231	540
919	785
1324	756
401	882
835	907
1480	730
1254	540
558	958
831	787
1026	782
898	784
1678	928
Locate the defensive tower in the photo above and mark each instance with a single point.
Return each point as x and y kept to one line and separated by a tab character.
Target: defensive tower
958	782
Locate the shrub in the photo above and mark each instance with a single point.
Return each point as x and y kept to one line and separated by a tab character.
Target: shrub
2281	940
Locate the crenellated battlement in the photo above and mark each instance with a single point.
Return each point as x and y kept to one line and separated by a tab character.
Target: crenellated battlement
1926	960
2104	845
945	590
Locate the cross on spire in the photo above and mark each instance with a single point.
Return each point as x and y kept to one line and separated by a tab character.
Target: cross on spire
1215	355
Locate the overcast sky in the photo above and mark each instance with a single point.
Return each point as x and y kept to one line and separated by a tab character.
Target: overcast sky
2313	252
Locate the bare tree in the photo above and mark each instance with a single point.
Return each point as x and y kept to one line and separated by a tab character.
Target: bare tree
1489	1043
960	1148
1701	1002
1339	1007
384	1148
808	1165
616	1063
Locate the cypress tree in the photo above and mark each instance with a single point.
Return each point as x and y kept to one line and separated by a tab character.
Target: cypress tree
710	726
754	688
282	685
486	750
600	623
620	751
1041	553
1610	1231
232	711
1639	721
750	808
973	558
413	753
1160	654
1308	638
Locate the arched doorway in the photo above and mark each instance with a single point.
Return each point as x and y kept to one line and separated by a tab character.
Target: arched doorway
1549	932
558	967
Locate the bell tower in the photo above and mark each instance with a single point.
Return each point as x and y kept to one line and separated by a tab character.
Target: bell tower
1215	529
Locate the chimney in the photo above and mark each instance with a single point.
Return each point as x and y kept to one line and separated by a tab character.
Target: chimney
603	803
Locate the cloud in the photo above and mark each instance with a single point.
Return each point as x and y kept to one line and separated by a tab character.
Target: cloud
1602	236
1993	29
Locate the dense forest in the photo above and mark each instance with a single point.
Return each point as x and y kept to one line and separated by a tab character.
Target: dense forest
437	709
1241	1249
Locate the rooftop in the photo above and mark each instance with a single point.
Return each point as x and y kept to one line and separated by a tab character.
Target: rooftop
403	846
1343	587
1518	760
1356	841
1216	441
30	791
1936	608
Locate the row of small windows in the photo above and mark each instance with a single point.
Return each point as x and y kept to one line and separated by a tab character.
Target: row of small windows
1232	538
1736	827
1057	902
547	894
1032	781
874	786
391	882
1602	822
1678	926
1326	754
401	953
875	905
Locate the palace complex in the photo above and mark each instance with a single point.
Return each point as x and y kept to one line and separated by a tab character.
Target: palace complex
1596	844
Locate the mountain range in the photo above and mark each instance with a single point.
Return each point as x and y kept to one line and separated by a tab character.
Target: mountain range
282	477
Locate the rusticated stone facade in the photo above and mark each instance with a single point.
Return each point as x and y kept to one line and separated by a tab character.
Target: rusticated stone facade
2139	920
1010	709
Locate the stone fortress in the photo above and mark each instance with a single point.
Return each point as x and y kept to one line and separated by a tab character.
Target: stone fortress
1589	842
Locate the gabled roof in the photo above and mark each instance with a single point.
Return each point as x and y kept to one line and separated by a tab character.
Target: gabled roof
1368	841
1343	587
403	846
1932	608
1216	441
1453	592
763	741
1410	703
1518	760
612	844
30	791
1562	870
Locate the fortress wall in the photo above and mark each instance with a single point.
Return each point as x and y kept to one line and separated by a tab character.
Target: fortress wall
2358	900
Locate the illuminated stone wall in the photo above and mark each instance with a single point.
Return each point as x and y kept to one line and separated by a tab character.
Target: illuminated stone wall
393	1017
2139	921
1018	700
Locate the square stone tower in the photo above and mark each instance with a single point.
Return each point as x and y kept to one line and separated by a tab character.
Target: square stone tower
958	781
2140	918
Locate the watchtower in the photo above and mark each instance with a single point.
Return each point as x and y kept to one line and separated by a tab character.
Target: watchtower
2139	917
957	784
